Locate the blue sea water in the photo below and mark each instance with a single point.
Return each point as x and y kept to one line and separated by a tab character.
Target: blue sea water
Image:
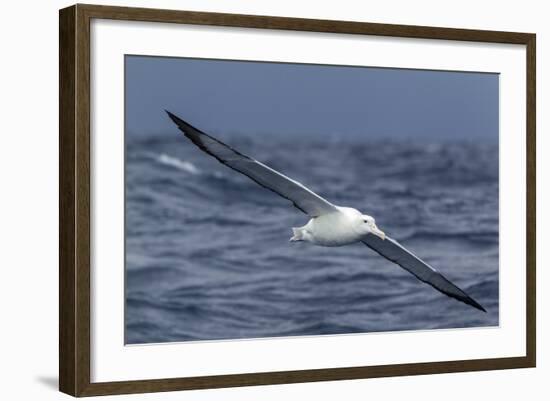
208	257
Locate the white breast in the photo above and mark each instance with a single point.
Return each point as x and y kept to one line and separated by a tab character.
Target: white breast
335	229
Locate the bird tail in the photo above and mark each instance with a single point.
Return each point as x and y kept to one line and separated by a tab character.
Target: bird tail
298	234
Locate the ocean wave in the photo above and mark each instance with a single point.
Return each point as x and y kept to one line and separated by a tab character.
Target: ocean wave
182	165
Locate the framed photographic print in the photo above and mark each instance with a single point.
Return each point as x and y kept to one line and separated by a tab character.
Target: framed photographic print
250	200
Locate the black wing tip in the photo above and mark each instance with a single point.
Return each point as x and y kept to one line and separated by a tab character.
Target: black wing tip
187	129
171	115
470	301
463	297
178	121
196	135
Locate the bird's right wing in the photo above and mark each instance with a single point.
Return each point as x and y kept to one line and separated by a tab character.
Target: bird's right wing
303	198
395	252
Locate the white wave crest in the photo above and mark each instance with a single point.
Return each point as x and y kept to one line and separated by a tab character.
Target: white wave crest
177	163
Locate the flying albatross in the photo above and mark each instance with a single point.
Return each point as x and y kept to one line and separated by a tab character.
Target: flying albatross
330	225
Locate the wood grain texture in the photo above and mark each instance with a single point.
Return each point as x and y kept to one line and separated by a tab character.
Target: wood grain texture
302	24
301	376
82	161
74	199
67	289
74	206
531	201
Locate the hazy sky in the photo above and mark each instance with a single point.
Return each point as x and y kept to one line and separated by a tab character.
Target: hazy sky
278	98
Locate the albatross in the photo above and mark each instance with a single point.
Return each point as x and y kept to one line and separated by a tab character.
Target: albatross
329	225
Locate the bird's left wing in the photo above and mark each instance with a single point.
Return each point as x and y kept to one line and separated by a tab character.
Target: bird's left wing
395	252
303	198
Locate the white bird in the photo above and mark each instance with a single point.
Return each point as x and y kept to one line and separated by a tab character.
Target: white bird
330	225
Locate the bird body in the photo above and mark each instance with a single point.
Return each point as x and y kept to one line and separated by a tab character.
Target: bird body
329	225
344	226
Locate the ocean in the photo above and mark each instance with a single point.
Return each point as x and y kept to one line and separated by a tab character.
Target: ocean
208	256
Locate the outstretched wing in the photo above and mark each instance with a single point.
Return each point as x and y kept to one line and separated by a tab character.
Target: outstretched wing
394	251
304	199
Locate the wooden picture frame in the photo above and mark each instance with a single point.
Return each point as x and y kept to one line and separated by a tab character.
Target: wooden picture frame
74	200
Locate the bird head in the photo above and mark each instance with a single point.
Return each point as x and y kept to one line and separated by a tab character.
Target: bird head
368	226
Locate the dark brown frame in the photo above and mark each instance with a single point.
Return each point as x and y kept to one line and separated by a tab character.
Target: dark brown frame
74	199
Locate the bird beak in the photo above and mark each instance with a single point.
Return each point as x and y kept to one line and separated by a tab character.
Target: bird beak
376	231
